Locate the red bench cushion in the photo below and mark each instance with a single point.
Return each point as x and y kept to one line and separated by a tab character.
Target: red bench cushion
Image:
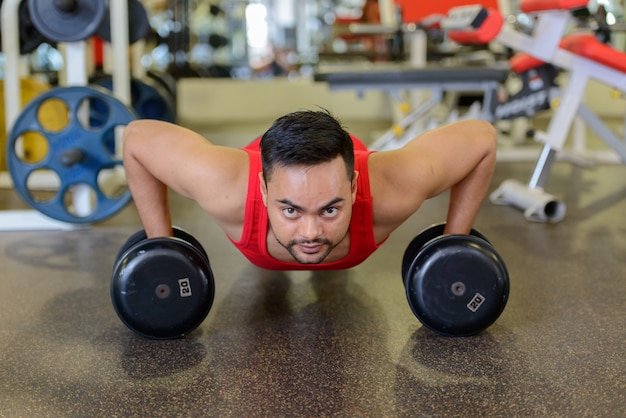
588	46
489	28
530	6
523	62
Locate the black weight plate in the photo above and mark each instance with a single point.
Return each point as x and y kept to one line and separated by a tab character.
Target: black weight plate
138	23
29	37
132	240
186	236
149	101
178	233
164	79
424	237
163	288
457	285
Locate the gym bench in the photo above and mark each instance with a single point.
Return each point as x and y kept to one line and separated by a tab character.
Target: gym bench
581	54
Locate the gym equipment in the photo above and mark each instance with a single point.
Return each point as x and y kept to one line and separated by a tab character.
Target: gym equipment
78	153
217	41
162	288
536	204
456	285
141	236
66	20
396	78
166	81
583	56
138	23
150	100
75	52
29	37
538	87
30	88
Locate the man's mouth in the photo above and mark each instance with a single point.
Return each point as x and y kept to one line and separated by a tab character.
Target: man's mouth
310	249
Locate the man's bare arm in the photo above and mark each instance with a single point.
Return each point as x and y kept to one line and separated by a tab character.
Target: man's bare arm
159	156
459	157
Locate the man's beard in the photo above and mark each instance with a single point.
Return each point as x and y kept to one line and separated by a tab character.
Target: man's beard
319	241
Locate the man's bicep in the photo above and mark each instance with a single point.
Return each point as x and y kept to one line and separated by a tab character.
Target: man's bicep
216	177
402	180
443	157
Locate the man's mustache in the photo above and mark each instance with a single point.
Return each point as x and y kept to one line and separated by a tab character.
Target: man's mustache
321	241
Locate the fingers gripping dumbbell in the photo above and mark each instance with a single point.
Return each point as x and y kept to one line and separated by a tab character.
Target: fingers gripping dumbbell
456	285
162	288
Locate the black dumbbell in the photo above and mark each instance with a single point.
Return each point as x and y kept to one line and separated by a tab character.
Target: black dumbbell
456	285
162	288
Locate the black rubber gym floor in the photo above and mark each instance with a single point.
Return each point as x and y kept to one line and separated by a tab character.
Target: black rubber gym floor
345	343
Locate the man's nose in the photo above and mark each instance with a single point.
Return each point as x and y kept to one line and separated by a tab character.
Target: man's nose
310	228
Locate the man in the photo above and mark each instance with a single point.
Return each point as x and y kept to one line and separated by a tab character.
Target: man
307	195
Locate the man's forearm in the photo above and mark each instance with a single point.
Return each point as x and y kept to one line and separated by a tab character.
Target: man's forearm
467	196
150	195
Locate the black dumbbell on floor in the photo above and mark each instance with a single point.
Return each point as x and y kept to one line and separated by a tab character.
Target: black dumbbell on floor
162	288
456	285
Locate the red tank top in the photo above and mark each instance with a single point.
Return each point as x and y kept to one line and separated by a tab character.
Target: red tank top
253	242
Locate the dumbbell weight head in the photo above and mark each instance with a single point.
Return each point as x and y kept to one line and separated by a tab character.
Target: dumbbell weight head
162	288
141	236
456	285
432	232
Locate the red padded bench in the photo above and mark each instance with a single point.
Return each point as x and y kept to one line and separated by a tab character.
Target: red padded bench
583	44
588	46
533	6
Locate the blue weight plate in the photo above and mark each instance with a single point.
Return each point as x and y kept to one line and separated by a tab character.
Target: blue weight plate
76	22
432	232
457	285
89	140
162	288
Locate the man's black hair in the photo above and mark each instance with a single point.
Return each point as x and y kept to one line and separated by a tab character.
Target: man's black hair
305	137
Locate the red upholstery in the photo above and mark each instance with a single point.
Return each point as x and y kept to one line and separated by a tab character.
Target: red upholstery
588	46
530	6
523	62
487	31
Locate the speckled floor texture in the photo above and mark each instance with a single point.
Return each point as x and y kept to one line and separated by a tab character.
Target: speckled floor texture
333	344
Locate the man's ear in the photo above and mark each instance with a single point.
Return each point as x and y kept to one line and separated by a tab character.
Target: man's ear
263	187
354	185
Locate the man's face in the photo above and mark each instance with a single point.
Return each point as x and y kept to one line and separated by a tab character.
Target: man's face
309	208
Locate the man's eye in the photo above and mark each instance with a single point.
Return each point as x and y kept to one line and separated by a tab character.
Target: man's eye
331	212
290	212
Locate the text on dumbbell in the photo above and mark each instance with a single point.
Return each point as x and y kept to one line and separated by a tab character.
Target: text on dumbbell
185	287
476	302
